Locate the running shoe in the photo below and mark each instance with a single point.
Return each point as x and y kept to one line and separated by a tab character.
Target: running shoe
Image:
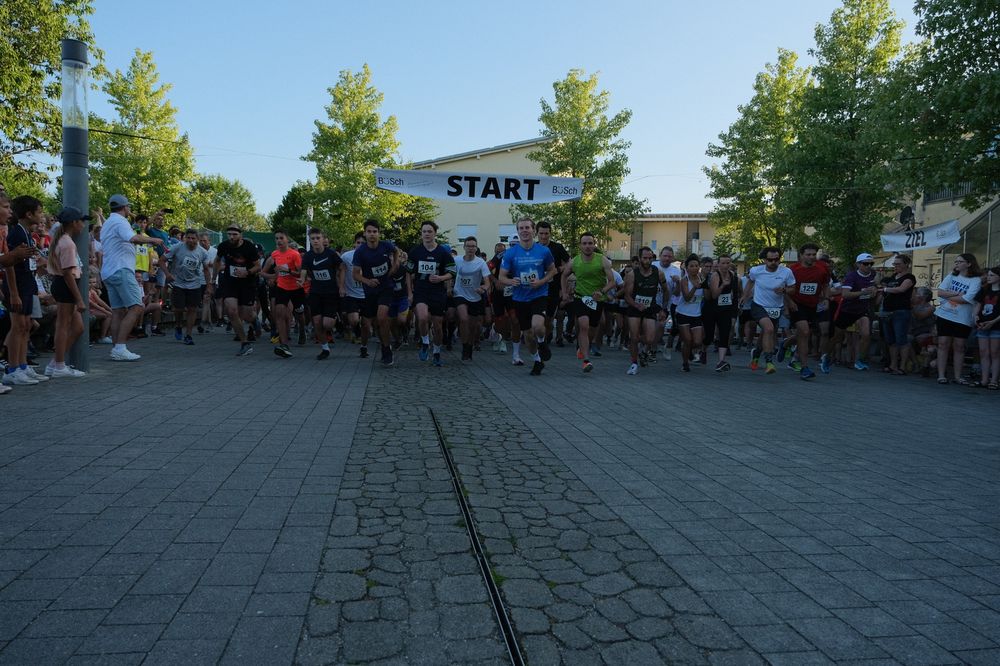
437	362
544	352
860	365
806	373
770	368
363	352
503	346
188	340
424	351
65	372
30	372
587	366
795	365
283	351
643	359
387	359
323	355
824	364
594	351
754	363
245	349
18	378
725	367
579	354
106	340
668	355
719	366
157	332
633	369
781	351
178	334
537	368
201	329
517	361
124	355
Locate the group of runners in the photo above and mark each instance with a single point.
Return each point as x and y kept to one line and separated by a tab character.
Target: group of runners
531	295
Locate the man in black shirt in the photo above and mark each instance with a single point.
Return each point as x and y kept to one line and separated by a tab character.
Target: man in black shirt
432	268
321	265
237	265
559	253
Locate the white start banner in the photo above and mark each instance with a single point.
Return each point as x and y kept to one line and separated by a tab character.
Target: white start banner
937	235
497	188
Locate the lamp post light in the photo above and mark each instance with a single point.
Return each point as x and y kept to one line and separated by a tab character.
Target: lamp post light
76	157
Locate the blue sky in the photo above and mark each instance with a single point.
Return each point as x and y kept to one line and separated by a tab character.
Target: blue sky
252	76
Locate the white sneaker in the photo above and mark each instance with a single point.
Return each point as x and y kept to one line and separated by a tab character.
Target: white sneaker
503	347
124	355
34	375
18	378
5	389
67	372
633	369
106	340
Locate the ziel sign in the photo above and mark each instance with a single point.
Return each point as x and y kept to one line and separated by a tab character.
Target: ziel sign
497	188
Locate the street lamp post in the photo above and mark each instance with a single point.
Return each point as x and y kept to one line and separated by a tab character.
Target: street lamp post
76	157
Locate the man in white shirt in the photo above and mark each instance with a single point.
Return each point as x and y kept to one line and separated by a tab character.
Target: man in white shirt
118	241
768	286
668	299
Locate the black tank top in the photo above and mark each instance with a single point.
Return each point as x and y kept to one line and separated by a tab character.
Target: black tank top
729	290
646	285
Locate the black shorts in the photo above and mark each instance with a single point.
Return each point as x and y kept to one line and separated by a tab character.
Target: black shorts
60	290
285	296
502	304
324	305
351	305
579	309
552	303
745	316
25	290
436	303
525	310
475	308
804	313
688	320
649	313
182	299
674	329
844	320
244	290
947	328
758	312
374	300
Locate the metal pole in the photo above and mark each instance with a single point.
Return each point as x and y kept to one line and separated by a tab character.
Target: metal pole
75	181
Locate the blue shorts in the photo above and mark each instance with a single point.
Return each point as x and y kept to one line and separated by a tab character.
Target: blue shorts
399	307
123	289
988	334
896	327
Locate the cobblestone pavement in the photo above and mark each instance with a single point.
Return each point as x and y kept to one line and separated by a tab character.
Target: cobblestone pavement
202	508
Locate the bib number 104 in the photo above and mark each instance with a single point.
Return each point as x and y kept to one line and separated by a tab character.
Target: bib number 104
915	239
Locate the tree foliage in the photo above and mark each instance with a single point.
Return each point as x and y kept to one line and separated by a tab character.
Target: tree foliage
292	214
347	148
30	63
215	202
141	153
839	169
748	183
951	99
583	142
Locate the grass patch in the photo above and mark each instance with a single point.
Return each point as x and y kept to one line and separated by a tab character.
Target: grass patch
498	579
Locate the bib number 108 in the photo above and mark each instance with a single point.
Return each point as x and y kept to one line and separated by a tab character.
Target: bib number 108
915	239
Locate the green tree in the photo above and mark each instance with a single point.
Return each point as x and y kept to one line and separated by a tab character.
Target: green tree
750	211
214	202
292	214
30	64
583	142
839	168
951	98
348	148
141	153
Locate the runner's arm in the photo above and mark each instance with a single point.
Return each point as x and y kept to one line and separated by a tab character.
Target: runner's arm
567	270
629	281
609	277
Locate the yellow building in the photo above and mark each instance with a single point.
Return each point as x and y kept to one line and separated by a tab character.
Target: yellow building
684	232
488	222
980	229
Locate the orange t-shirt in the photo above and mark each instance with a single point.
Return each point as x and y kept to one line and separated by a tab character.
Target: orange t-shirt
287	265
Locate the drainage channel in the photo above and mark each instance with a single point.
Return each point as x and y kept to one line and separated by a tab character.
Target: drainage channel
506	628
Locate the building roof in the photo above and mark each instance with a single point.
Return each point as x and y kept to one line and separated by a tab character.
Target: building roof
673	217
505	147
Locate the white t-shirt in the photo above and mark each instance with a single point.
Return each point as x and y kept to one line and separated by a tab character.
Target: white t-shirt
119	251
667	273
691	308
468	278
765	282
965	312
351	287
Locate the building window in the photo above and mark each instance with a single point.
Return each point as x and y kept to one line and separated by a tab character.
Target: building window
652	245
507	233
466	230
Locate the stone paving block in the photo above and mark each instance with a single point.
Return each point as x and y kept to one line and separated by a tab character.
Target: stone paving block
121	638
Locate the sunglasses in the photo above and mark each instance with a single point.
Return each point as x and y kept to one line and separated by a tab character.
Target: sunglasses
867	263
771	261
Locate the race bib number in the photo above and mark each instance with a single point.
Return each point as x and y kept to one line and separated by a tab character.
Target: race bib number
380	270
32	264
235	271
508	290
725	299
189	263
526	278
808	288
865	297
466	282
773	313
282	269
988	309
823	306
427	267
142	249
589	302
321	275
643	300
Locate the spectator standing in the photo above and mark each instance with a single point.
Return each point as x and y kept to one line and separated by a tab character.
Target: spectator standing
988	329
66	267
897	294
956	315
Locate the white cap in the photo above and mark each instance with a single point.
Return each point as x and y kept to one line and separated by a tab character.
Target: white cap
864	256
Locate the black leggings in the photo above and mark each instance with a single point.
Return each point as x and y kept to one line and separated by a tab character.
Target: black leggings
720	321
